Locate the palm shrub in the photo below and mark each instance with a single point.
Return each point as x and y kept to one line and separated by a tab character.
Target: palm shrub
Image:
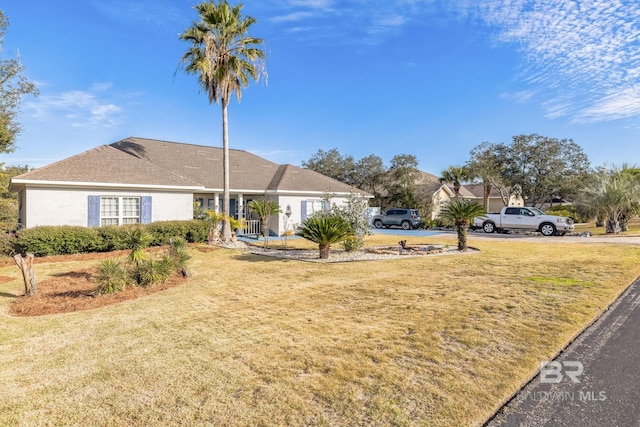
178	252
460	212
217	220
264	209
154	271
325	230
112	276
138	239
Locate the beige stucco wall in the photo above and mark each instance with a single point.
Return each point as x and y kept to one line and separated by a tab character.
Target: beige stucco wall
54	206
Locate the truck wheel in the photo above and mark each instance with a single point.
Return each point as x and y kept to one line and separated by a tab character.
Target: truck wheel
377	223
489	227
547	229
406	225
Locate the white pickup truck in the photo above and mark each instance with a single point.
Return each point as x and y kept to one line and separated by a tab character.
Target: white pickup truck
524	218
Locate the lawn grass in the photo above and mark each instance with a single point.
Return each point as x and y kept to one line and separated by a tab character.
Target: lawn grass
252	341
634	229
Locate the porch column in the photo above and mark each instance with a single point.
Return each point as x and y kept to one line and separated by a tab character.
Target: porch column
240	206
216	202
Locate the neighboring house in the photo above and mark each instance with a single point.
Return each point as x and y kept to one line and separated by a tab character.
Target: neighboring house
496	202
441	193
145	180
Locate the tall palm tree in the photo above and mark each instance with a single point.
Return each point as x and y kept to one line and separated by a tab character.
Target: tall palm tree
461	213
456	175
225	59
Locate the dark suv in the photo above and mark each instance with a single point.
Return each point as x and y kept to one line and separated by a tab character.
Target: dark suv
405	218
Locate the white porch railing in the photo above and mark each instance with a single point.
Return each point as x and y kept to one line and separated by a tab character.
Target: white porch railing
252	228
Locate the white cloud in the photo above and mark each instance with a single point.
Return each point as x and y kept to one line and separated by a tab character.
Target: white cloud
314	4
296	16
521	97
619	104
80	108
585	52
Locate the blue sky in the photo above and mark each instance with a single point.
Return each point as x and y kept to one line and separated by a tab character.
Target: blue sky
432	78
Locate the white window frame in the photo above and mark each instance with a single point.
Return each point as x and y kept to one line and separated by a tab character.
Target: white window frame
315	206
120	216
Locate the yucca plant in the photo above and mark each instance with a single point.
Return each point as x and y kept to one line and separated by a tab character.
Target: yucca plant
154	271
112	276
325	231
138	239
178	251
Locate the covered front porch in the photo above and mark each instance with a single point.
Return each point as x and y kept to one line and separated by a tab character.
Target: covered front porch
238	209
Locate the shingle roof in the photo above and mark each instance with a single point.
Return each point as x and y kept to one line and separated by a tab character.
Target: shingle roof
161	163
106	164
478	191
432	182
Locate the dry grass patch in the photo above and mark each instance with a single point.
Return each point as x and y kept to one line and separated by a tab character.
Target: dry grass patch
251	340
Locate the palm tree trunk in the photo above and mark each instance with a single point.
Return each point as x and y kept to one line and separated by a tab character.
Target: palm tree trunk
324	251
613	225
462	237
624	222
226	228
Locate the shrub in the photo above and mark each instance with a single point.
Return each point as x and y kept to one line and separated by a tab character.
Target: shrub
138	239
114	237
112	276
63	240
58	240
194	231
8	243
576	213
354	212
154	271
178	251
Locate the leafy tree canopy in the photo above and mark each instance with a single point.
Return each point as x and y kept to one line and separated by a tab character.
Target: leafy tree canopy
13	87
540	166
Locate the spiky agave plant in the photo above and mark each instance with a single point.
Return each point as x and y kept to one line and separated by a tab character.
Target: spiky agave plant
325	231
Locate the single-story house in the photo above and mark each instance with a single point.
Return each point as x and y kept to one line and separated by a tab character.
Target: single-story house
441	193
140	180
496	201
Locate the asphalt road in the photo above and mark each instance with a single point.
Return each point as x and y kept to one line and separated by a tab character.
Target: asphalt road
607	391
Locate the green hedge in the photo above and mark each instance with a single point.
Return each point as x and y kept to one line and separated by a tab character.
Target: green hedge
58	240
195	231
63	240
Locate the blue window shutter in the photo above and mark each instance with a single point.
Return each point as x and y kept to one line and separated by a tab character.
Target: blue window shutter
303	210
145	209
94	211
327	206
